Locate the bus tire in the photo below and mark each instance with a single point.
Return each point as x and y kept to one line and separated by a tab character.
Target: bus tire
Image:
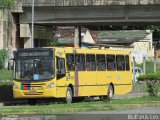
109	95
69	96
103	98
110	92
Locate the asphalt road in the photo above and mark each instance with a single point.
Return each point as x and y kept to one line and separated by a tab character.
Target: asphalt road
139	110
144	113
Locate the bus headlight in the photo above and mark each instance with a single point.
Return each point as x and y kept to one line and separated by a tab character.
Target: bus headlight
51	85
15	86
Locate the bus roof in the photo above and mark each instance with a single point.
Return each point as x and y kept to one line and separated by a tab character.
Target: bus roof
100	50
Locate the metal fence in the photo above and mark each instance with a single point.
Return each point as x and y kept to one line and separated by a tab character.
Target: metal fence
151	64
148	65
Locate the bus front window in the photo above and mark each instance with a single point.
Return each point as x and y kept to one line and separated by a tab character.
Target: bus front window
34	69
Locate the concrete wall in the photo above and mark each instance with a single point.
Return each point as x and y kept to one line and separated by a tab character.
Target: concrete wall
4	31
1	30
142	48
25	30
97	15
145	45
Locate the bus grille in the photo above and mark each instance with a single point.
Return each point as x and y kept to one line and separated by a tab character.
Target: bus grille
31	88
33	93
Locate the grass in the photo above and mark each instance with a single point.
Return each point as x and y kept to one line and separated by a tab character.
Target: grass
142	87
5	74
82	107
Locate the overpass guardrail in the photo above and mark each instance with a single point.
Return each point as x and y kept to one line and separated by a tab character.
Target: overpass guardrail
87	2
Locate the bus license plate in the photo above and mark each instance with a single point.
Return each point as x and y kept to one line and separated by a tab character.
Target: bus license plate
32	91
36	88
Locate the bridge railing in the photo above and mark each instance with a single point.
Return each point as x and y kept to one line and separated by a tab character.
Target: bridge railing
87	2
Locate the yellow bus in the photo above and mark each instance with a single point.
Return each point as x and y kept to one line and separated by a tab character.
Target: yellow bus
71	73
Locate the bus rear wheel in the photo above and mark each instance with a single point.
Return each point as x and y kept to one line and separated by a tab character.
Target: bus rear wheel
109	95
69	95
110	92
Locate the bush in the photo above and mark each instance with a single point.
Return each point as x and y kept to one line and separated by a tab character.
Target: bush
152	81
3	55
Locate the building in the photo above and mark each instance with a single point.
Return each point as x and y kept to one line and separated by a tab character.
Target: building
7	40
3	31
138	42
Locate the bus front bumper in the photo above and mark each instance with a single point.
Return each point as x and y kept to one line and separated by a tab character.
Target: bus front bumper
47	93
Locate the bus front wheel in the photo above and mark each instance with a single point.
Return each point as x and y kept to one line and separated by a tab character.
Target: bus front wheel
69	95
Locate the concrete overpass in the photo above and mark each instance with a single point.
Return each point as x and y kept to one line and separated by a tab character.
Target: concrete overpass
87	12
91	11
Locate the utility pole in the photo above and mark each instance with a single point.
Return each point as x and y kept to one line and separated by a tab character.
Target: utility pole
134	74
155	60
32	36
76	41
144	65
79	36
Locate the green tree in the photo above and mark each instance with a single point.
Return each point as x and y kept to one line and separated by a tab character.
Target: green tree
6	4
155	28
6	19
3	55
152	81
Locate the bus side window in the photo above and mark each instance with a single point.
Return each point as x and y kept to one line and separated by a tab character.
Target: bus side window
127	62
90	62
120	62
60	68
80	62
70	62
101	62
111	63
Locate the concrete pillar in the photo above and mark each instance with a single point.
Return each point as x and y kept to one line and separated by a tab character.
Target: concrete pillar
76	40
1	35
144	65
27	42
1	29
149	37
14	30
134	70
25	32
155	61
79	36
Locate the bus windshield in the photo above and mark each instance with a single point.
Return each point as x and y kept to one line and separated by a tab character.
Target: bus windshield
37	68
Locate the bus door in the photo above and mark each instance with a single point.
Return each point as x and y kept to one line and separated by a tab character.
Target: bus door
71	73
61	77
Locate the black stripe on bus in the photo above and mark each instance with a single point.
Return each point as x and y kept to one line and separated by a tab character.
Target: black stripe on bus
95	85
